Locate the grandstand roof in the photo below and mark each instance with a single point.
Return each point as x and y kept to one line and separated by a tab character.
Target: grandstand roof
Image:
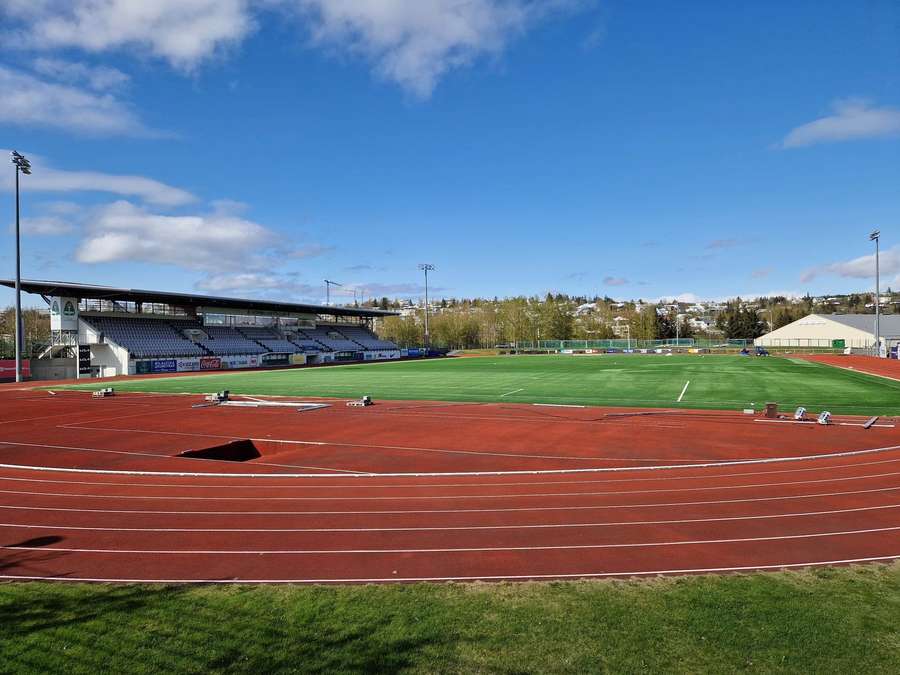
91	291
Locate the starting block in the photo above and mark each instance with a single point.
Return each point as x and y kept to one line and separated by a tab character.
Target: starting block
103	393
800	414
824	417
360	403
218	397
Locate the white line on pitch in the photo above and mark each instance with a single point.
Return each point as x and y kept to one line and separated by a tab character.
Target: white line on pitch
681	396
511	392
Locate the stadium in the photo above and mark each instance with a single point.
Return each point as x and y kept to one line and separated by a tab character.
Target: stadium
199	439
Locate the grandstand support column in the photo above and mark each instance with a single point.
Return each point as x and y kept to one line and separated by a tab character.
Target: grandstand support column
876	236
22	166
426	267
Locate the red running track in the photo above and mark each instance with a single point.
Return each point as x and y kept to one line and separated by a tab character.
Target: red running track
310	510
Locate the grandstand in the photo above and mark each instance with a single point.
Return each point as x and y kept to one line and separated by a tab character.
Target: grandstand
105	331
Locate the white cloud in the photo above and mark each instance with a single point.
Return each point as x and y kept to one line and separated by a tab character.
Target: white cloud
44	226
415	43
614	281
182	32
218	240
98	78
47	179
29	101
862	267
852	119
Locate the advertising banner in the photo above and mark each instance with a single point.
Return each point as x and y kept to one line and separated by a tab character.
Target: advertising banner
63	313
210	363
298	359
84	360
164	366
8	369
275	359
141	367
188	364
240	361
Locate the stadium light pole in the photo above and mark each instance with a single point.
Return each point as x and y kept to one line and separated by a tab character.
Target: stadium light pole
22	166
876	236
426	267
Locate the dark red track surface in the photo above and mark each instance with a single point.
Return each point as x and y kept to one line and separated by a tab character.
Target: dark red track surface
866	364
305	511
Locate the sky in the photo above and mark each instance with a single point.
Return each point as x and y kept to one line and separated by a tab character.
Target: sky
636	150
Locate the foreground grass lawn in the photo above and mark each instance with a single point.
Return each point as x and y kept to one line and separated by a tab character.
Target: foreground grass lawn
824	621
725	382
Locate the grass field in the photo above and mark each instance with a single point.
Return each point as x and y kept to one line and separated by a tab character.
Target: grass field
719	382
821	621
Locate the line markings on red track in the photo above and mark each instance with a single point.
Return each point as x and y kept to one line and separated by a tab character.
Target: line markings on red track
495	577
433	474
473	549
449	528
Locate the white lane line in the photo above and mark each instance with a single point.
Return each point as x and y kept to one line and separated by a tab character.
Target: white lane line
335	472
557	405
486	577
681	395
431	486
401	512
468	549
449	528
514	391
438	474
518	495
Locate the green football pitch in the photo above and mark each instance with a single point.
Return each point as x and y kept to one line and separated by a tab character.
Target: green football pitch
708	381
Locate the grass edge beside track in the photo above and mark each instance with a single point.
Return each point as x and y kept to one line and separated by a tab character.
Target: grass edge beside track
816	620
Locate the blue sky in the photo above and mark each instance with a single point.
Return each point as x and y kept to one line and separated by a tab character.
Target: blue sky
632	149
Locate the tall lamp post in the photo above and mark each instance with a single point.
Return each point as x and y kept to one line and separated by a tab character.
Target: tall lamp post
22	166
426	267
876	236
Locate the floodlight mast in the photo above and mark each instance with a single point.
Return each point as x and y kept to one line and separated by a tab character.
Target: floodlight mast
426	267
22	166
876	236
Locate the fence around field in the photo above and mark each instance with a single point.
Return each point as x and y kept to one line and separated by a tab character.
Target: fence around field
620	344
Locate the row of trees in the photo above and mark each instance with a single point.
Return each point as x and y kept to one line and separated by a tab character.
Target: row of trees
36	333
473	324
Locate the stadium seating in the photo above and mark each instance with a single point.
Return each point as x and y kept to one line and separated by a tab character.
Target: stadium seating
331	339
226	341
271	340
145	338
365	338
159	338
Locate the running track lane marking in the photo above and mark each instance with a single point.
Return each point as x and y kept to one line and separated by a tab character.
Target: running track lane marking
474	549
814	495
419	486
446	497
433	474
30	526
512	392
681	395
583	575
